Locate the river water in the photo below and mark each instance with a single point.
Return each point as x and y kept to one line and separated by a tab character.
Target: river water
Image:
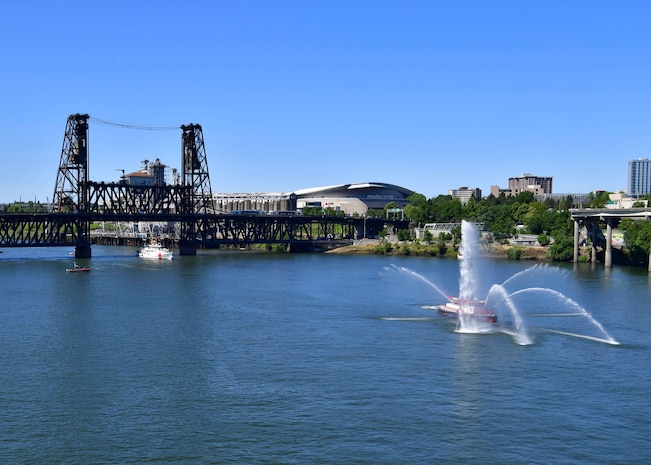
230	358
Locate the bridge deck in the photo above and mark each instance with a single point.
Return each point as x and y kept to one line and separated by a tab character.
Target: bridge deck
72	229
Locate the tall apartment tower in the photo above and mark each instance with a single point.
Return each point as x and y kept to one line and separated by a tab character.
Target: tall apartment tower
639	177
529	182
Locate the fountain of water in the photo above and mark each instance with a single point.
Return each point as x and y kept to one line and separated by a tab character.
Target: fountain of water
500	301
421	277
468	280
519	330
581	312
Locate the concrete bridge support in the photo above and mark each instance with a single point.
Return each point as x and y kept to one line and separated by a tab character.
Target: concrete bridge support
593	251
608	254
576	242
594	230
590	217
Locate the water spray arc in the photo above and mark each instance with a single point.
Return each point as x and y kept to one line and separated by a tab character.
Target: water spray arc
498	312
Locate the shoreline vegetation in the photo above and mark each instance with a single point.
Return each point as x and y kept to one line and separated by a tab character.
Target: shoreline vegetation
405	248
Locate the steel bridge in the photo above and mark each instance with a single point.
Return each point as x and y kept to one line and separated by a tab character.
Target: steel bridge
78	202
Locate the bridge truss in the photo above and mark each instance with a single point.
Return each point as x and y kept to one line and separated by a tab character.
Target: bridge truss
75	194
39	230
298	232
78	202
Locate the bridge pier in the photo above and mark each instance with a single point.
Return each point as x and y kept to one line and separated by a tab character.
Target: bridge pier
593	251
576	242
608	254
187	248
591	217
83	251
301	247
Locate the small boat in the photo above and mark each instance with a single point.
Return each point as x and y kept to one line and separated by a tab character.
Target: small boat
470	308
156	251
77	269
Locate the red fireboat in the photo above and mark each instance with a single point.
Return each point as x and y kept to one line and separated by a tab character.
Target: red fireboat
471	308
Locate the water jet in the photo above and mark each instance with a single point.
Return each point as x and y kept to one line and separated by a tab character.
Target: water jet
498	311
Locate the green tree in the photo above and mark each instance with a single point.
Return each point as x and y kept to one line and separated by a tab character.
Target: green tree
329	211
312	211
417	200
524	197
638	241
416	214
404	235
625	224
474	209
543	239
514	253
445	209
569	203
441	245
390	206
599	199
499	221
536	220
562	249
519	210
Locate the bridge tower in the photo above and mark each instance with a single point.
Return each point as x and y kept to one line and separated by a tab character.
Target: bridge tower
71	189
195	175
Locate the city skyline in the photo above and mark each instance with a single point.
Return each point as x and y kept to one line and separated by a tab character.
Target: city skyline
430	96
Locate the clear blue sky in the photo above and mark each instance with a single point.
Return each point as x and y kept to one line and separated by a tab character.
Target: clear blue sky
428	95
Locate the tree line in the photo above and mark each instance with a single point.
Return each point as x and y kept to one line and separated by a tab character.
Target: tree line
550	220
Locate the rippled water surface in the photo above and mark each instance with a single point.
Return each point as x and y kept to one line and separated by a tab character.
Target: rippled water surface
255	358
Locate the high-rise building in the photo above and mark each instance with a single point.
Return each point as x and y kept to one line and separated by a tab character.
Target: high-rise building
538	185
531	183
639	177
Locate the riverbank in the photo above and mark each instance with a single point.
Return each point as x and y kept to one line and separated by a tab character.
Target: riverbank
377	247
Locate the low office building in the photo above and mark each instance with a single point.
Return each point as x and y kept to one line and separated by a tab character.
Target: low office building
436	229
465	194
263	202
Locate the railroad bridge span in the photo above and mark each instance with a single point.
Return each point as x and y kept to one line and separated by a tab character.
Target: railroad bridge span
78	202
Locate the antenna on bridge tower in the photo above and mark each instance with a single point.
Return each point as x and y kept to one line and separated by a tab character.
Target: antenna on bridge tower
70	191
195	169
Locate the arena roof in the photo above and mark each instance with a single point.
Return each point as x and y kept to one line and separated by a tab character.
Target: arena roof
352	187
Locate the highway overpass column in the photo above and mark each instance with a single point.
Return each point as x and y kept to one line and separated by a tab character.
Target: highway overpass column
576	241
595	227
608	258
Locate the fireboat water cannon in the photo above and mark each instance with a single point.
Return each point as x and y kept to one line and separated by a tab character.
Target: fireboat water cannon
498	312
